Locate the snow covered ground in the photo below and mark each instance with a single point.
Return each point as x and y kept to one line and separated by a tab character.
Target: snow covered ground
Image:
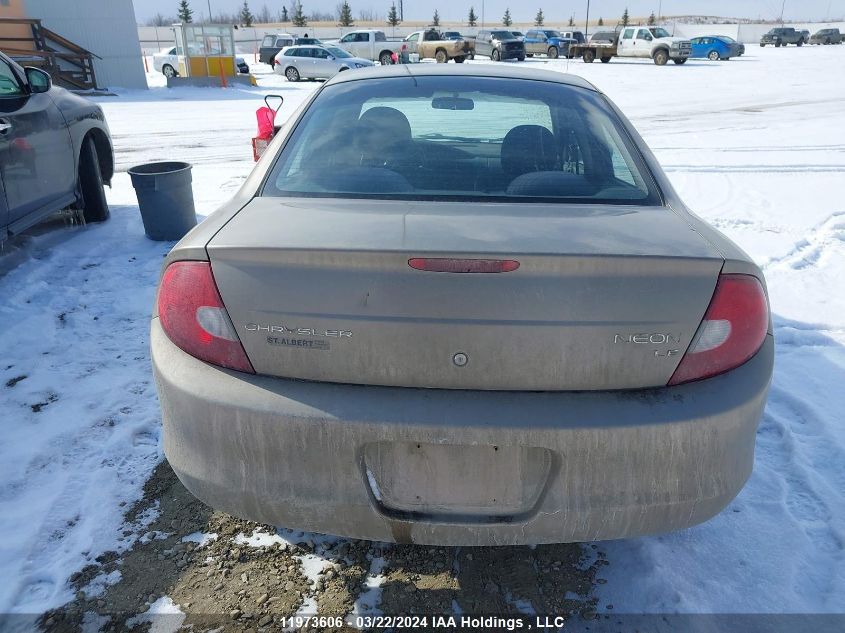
755	145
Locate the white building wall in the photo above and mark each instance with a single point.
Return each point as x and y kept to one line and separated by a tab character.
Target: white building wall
746	33
106	28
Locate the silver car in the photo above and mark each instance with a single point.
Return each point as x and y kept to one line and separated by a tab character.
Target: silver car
464	306
315	62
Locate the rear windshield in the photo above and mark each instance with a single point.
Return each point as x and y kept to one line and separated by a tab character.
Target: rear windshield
461	138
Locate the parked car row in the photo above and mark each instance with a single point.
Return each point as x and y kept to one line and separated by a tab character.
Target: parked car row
785	35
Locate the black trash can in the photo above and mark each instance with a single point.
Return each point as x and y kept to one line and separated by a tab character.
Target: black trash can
165	198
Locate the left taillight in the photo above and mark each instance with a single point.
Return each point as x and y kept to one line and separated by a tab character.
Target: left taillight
193	316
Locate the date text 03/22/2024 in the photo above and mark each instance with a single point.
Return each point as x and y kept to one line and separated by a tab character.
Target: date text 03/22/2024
446	622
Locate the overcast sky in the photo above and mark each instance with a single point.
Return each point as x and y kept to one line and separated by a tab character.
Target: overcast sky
524	11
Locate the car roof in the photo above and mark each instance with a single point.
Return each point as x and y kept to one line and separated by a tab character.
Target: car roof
504	71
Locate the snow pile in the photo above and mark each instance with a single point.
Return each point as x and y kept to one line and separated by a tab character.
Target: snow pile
163	615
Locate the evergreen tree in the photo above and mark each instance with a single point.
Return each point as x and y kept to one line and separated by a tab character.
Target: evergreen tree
601	22
393	15
298	18
345	17
506	19
185	13
472	19
246	17
625	17
538	19
435	21
284	16
651	19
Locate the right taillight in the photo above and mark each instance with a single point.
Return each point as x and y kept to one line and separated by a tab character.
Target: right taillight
193	316
733	330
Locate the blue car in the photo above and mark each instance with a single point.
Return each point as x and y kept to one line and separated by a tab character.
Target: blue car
714	47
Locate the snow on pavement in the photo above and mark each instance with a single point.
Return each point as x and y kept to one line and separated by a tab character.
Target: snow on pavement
753	145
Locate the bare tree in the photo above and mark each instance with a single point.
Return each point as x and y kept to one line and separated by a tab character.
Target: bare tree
264	16
160	20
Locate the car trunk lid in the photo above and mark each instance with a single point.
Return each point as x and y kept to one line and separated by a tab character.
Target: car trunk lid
604	297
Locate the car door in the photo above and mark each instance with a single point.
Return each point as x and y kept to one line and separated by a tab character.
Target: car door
323	66
530	42
696	47
347	41
268	50
301	60
367	46
361	46
412	42
483	44
626	43
38	166
642	43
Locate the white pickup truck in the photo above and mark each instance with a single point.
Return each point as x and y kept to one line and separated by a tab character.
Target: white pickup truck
369	44
652	42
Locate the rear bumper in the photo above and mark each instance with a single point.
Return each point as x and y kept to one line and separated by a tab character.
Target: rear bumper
389	464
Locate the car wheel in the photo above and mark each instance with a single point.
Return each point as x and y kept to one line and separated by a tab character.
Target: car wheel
800	43
762	45
441	57
168	71
471	55
606	60
292	74
385	59
94	205
458	60
681	61
777	44
661	57
553	52
713	56
589	56
495	55
521	58
529	54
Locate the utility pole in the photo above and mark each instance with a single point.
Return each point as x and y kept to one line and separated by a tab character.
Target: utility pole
401	12
482	14
209	11
659	10
587	23
782	7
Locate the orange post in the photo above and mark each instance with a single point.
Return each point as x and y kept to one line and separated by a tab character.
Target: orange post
146	66
223	83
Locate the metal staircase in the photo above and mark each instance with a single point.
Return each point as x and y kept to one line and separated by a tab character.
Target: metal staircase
70	65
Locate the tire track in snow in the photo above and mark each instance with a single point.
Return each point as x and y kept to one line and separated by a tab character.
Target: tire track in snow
808	251
794	442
